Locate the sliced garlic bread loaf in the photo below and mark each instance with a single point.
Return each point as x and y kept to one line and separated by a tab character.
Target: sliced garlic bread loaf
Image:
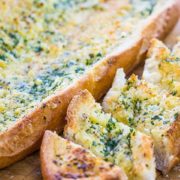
51	49
109	139
62	159
154	112
163	67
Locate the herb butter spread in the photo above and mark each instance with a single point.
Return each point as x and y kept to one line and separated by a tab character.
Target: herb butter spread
45	45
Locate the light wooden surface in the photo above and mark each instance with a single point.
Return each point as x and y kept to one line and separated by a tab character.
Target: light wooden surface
29	168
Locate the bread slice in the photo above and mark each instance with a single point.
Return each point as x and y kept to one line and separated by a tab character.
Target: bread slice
62	159
25	58
113	141
162	67
154	112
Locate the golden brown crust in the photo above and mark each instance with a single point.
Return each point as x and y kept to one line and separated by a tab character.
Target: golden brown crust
94	168
169	154
25	136
174	135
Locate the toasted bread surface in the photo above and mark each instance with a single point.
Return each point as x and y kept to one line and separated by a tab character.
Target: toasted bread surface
48	110
154	112
62	159
163	67
89	126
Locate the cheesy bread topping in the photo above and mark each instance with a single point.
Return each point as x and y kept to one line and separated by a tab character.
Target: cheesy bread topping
45	45
163	67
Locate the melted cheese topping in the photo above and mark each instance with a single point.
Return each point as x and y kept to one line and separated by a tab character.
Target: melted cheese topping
163	67
45	45
113	141
143	106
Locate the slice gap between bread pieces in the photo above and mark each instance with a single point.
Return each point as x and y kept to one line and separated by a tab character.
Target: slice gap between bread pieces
163	67
109	139
63	159
145	107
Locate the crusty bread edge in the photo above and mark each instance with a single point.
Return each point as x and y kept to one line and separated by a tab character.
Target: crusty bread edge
25	136
46	154
166	161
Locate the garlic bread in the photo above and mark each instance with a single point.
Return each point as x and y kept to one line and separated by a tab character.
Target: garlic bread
162	67
51	49
62	159
155	112
109	139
